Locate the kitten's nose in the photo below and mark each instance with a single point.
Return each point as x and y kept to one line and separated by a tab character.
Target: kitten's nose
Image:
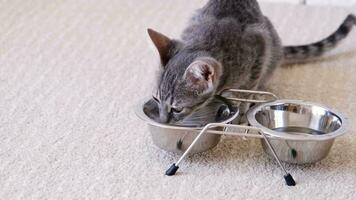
164	115
163	118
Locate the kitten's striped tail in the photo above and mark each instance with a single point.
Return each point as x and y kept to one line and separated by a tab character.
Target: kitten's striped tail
295	54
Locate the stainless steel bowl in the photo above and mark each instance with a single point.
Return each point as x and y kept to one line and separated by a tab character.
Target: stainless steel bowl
178	138
301	132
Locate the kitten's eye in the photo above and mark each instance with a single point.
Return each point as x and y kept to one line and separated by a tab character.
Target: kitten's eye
155	98
177	110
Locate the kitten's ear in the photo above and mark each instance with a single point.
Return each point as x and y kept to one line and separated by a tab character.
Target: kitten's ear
203	75
162	43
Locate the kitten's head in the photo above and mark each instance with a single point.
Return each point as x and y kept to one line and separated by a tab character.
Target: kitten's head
187	79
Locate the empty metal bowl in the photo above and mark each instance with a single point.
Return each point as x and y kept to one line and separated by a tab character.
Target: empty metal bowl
301	132
176	138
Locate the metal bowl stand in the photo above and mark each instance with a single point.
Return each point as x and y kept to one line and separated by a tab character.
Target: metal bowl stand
261	135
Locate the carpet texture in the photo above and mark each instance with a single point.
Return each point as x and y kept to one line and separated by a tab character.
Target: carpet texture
72	71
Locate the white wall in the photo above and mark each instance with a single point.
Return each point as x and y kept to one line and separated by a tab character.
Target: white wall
288	1
347	3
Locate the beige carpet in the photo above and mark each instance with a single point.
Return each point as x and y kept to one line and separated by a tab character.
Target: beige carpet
71	72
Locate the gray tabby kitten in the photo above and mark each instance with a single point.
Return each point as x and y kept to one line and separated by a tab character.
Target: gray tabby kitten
227	44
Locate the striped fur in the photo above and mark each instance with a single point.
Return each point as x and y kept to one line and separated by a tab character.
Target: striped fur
243	44
295	54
